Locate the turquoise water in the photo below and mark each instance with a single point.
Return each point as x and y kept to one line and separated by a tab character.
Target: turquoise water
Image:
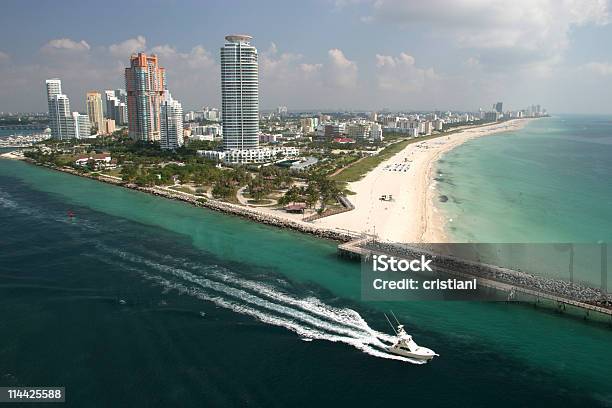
143	301
549	182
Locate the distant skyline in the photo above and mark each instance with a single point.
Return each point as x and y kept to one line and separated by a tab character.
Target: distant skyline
321	54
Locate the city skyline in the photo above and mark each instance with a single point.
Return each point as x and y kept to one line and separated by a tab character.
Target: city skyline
357	55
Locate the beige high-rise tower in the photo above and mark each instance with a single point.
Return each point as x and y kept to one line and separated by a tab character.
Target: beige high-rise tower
95	110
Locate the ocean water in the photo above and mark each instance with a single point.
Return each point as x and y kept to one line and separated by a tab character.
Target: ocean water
549	182
143	301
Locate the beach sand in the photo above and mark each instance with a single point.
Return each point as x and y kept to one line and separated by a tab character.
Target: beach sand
411	216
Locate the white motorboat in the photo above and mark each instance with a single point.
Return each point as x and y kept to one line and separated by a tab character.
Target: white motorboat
406	347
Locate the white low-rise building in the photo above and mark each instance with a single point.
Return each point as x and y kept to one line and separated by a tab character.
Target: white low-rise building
243	156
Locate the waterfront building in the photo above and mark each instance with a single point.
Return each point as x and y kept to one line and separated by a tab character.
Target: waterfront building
145	82
59	109
262	155
62	125
171	122
358	131
116	106
81	126
492	116
95	110
438	124
376	132
239	93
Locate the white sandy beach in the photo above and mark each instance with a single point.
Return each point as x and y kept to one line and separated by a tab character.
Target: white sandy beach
411	215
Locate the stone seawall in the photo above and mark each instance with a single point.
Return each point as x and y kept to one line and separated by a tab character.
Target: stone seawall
216	205
543	285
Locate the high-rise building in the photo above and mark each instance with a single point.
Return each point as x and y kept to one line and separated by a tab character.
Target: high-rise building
145	83
376	132
95	110
62	125
171	123
498	107
54	87
81	125
116	106
109	126
239	93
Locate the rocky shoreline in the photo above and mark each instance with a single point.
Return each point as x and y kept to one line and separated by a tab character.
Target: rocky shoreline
555	287
216	205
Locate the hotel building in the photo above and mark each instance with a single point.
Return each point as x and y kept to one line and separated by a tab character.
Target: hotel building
145	83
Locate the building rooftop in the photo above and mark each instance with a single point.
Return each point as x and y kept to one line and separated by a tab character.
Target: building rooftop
238	38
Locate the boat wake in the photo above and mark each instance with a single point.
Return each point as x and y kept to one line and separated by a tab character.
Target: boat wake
308	317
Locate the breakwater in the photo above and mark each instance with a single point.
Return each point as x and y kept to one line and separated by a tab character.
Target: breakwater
504	279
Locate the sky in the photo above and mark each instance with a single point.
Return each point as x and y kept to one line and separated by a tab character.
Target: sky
321	54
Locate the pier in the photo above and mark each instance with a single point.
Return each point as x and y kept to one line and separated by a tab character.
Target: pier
518	285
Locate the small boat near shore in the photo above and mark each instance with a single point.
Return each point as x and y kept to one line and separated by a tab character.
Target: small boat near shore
405	346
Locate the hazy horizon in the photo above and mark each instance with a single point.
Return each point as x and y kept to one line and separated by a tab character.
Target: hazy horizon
337	55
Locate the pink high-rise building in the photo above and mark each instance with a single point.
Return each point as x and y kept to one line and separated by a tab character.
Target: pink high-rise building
145	82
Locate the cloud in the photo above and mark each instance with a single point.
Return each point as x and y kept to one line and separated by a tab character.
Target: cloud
128	47
400	74
599	68
340	71
4	57
523	33
65	44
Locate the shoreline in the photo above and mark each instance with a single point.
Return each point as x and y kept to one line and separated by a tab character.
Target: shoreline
411	216
216	205
435	223
413	189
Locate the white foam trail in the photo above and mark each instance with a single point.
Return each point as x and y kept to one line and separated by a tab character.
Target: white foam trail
361	336
282	322
312	305
253	299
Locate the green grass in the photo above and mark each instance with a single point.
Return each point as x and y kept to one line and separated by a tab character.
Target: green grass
359	169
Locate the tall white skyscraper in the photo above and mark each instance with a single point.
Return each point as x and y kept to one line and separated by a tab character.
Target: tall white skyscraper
62	124
171	122
54	88
239	93
81	124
